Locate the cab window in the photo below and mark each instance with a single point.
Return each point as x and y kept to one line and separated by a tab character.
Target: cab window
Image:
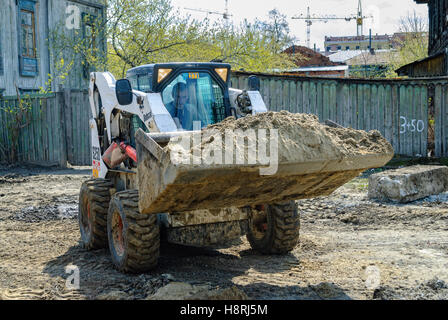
144	83
134	82
194	96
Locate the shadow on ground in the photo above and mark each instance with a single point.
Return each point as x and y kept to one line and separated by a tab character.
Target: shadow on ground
177	263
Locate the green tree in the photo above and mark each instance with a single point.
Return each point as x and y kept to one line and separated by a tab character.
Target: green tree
276	29
413	45
152	31
147	31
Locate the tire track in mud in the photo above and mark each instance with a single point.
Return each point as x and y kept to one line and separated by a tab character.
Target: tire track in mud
341	236
29	294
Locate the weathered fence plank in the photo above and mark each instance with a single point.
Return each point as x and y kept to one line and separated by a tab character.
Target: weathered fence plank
360	107
312	98
438	117
425	122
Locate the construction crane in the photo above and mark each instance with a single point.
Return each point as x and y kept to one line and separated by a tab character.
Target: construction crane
224	14
360	20
310	19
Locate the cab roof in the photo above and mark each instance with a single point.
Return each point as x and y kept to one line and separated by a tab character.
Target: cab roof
149	68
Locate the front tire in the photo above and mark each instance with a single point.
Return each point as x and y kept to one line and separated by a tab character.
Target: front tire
134	238
275	228
94	199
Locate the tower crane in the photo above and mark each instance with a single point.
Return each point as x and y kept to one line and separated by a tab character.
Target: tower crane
310	19
224	14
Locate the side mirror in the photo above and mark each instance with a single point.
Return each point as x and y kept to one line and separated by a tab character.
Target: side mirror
254	83
123	91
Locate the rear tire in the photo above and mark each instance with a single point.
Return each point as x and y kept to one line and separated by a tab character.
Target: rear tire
134	238
94	199
276	231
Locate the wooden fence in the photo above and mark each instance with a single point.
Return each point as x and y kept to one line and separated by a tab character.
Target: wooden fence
441	118
40	138
402	110
55	130
77	114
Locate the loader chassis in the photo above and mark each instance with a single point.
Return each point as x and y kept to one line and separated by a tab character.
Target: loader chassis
109	203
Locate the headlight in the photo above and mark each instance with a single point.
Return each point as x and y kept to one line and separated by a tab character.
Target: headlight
163	73
222	72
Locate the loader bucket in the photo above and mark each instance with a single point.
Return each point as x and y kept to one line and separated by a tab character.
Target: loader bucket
313	160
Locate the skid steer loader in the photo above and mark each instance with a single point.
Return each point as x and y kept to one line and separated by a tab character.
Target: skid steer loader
138	195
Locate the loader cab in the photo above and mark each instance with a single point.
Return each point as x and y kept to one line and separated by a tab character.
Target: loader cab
191	92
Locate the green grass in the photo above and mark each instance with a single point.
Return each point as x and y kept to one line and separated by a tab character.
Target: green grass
406	162
360	184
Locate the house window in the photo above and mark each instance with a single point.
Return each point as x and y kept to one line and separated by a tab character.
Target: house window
357	47
347	48
27	92
339	47
27	38
328	48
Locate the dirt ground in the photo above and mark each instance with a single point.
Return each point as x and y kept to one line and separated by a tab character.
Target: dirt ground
350	248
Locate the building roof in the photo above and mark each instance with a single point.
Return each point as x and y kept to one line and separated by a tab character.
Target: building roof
380	37
363	57
323	68
431	66
307	57
394	40
380	57
344	56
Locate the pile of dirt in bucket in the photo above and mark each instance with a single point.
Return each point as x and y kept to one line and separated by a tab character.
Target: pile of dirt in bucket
240	162
301	137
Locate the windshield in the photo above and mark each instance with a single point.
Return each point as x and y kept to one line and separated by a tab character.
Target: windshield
194	96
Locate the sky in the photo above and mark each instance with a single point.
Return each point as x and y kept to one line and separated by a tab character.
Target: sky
386	14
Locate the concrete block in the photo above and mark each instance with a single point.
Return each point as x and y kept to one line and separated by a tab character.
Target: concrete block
408	184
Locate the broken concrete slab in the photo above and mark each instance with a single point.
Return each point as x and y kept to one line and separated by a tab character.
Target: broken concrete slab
408	184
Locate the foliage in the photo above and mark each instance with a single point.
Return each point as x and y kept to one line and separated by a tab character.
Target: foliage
152	31
18	111
78	47
413	46
276	29
18	117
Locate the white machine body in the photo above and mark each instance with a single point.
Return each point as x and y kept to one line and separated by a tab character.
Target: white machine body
149	107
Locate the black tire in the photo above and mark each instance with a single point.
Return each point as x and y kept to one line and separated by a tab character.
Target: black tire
94	199
135	244
277	230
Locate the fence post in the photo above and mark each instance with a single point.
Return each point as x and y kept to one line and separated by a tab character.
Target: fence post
68	124
62	133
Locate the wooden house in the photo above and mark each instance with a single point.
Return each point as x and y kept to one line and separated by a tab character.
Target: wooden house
27	51
436	64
